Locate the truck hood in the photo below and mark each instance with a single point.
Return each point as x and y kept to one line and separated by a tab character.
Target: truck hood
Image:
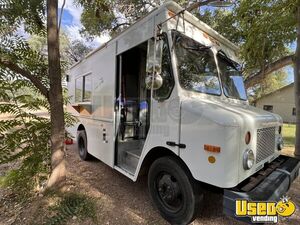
251	112
227	113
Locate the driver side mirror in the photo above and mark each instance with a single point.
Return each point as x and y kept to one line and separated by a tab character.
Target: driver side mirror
153	69
157	81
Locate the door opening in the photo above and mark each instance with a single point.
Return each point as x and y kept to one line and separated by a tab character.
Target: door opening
132	107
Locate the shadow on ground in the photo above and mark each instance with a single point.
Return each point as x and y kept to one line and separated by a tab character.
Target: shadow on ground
122	201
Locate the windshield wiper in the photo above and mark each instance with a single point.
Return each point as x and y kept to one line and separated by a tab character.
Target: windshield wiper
202	48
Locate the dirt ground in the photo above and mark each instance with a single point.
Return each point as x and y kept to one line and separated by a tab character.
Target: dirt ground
119	200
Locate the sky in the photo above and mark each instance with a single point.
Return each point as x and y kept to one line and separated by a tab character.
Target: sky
290	72
71	23
289	69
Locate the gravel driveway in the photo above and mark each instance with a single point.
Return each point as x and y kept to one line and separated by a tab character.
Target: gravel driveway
125	202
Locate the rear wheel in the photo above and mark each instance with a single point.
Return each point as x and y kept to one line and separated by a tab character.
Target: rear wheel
82	145
173	190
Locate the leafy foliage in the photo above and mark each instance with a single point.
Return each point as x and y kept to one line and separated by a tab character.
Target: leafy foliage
30	13
263	29
273	81
18	61
72	205
76	50
70	51
225	22
25	135
268	27
113	16
14	48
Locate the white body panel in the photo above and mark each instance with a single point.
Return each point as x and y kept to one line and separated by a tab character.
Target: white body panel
191	118
217	122
101	66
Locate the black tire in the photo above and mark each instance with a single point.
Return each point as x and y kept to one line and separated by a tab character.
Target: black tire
82	145
173	191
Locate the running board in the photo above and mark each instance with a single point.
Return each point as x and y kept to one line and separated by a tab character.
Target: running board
125	172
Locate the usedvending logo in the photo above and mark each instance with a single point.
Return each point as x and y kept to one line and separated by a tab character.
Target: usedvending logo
264	212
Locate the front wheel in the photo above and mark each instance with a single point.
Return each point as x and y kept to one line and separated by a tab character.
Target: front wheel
82	145
173	190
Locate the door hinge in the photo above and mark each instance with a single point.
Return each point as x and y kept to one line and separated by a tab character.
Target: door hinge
173	144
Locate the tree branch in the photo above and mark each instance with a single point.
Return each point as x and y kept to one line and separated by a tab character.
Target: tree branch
119	25
38	21
61	14
255	78
16	69
198	4
73	56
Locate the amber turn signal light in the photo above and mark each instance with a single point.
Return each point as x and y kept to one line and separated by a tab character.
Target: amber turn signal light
212	148
248	138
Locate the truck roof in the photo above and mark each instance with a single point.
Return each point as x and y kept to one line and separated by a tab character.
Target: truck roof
175	8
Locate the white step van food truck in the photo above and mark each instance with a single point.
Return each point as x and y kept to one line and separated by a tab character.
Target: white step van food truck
166	97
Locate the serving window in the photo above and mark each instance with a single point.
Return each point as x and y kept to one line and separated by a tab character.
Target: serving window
83	89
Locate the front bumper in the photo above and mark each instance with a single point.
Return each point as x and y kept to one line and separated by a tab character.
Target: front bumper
269	184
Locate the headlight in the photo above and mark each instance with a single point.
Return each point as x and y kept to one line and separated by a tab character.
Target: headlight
280	143
248	159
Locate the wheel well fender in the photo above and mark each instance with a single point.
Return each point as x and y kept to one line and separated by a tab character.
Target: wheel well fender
81	127
156	153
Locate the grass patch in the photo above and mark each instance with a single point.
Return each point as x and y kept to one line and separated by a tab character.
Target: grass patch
288	133
25	180
2	181
70	205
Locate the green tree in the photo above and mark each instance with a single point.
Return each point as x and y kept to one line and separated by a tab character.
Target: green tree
266	28
76	50
70	51
263	41
272	82
25	135
114	16
17	57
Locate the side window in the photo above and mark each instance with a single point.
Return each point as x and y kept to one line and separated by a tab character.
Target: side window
78	89
294	112
268	108
83	89
87	88
166	73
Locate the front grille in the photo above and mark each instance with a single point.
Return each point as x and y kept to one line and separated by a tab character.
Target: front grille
265	143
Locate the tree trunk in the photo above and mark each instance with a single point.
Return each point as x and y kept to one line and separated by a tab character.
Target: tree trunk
297	86
58	166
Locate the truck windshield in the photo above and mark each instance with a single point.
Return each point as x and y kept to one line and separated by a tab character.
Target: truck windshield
232	78
198	71
196	66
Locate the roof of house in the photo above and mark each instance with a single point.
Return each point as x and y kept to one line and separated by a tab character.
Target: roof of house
274	92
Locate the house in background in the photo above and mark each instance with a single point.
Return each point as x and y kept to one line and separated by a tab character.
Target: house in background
281	101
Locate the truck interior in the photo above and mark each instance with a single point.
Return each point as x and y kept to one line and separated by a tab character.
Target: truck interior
132	107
